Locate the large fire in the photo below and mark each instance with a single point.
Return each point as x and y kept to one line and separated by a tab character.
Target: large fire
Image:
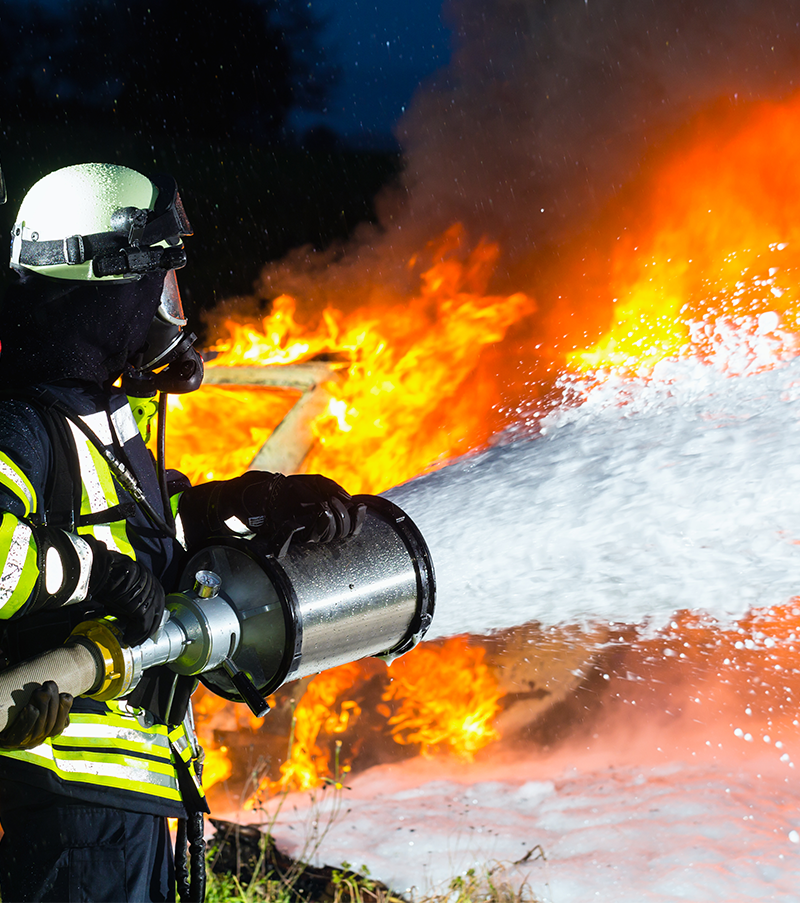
710	250
700	258
409	398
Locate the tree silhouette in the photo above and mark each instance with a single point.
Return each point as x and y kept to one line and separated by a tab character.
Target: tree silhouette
232	69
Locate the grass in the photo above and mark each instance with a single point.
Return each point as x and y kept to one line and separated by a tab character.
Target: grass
484	886
262	874
297	882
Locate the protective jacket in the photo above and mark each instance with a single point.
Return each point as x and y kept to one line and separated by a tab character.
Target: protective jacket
111	753
55	486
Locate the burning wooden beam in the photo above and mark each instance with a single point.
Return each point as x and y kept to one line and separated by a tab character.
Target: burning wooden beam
289	444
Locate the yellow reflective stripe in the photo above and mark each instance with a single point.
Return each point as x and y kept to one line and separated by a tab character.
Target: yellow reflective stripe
177	734
90	768
14	479
180	743
20	570
113	535
98	493
144	410
104	478
133	746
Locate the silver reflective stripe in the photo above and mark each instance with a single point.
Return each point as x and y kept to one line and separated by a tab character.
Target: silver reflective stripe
85	558
12	569
129	770
180	534
188	726
235	525
17	480
124	423
126	770
89	475
99	425
181	745
105	731
53	571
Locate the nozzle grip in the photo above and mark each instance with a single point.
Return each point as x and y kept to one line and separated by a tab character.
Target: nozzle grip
246	689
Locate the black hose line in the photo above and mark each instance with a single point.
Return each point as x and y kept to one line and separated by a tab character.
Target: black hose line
182	862
197	856
161	444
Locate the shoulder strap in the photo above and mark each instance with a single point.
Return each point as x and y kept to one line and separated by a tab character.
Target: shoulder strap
62	502
63	490
62	493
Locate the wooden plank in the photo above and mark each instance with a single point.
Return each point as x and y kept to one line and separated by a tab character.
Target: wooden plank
286	376
293	438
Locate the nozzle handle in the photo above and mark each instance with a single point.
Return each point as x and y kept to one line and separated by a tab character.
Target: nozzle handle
246	689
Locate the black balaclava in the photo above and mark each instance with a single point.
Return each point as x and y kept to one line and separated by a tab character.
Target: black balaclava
55	329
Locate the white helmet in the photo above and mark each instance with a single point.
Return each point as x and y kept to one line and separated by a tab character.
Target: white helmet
100	222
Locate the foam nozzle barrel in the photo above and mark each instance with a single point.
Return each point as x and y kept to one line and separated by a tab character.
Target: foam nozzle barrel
319	606
75	668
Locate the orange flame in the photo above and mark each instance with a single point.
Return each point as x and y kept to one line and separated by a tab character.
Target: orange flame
308	764
406	403
712	247
216	432
444	698
705	246
447	699
213	713
216	763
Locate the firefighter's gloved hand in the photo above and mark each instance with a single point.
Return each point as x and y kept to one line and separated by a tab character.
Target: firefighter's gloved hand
45	715
299	508
128	590
312	508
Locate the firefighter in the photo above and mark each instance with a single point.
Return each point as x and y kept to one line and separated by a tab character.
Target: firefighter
91	329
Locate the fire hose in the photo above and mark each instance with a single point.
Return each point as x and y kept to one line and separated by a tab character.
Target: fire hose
245	622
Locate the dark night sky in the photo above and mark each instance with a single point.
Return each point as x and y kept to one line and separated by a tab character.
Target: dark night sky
384	51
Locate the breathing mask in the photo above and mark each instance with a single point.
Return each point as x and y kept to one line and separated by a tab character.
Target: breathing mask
166	362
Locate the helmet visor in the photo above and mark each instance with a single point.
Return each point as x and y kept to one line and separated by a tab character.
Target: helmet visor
168	220
170	306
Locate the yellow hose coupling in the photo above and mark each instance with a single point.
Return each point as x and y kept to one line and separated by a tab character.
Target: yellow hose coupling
117	674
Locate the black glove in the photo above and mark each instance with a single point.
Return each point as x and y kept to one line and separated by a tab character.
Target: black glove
45	715
298	508
127	589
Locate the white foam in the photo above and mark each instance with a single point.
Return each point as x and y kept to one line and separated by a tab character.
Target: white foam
647	498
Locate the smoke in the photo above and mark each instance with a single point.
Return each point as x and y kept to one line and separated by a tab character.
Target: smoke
549	106
546	111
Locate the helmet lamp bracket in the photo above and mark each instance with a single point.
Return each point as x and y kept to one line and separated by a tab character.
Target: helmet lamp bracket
131	221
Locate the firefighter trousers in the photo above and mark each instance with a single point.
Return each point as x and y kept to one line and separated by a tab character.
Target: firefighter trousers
80	852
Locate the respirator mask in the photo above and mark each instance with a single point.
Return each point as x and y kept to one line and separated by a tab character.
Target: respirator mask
166	362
